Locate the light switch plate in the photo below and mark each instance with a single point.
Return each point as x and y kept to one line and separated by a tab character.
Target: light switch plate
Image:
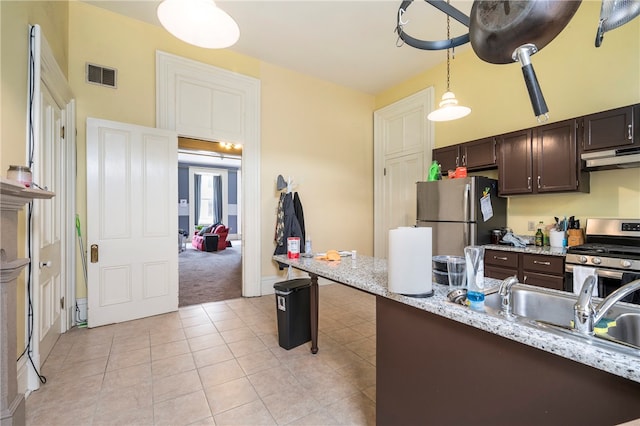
531	226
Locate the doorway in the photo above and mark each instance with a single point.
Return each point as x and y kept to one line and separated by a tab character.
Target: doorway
209	192
234	115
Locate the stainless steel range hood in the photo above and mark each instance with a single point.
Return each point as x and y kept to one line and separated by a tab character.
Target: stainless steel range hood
612	159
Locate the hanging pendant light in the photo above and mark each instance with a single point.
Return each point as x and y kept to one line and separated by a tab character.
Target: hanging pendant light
448	108
199	22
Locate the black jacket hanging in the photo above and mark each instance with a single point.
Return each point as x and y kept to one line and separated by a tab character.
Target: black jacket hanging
291	226
297	206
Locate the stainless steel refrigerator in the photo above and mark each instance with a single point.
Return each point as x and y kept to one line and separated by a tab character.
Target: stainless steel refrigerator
453	209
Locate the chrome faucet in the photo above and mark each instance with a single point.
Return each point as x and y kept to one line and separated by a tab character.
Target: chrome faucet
505	295
585	316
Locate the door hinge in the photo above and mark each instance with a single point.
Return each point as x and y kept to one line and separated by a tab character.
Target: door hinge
384	172
62	303
62	132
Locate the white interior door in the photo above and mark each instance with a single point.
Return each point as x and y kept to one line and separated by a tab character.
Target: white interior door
402	173
51	294
48	221
132	221
403	141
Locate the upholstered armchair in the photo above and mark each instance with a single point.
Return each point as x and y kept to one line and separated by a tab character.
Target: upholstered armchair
212	238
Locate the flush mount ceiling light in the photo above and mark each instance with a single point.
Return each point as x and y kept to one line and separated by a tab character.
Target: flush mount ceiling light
199	22
448	108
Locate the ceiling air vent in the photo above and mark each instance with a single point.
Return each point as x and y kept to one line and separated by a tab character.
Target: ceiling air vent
103	76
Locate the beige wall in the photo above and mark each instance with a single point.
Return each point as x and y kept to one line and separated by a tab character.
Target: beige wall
16	16
319	134
576	79
316	132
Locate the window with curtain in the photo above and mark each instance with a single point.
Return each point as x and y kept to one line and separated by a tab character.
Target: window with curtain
208	199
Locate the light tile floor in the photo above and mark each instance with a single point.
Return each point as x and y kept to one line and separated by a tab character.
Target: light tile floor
215	363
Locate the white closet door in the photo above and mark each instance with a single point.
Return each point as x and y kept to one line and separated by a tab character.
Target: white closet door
403	140
400	189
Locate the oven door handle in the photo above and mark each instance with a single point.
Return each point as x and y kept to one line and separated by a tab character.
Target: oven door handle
605	273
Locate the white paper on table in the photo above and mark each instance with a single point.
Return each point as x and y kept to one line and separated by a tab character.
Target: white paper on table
486	207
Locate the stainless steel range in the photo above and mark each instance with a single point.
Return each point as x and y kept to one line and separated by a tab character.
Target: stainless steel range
612	246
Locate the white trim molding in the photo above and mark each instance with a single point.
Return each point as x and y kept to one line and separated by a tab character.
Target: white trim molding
243	94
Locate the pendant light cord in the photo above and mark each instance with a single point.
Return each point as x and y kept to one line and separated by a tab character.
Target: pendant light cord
448	38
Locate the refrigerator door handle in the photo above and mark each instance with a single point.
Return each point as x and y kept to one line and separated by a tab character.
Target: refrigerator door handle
465	202
467	234
467	228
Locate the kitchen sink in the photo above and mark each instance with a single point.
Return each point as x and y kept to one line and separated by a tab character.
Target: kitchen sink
537	303
554	310
627	329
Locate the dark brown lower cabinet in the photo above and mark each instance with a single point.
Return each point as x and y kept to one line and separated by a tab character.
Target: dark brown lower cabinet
534	269
432	370
500	264
543	271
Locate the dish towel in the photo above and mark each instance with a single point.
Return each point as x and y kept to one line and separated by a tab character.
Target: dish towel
580	274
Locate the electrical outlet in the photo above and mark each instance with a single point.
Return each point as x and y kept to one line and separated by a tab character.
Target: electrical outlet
531	226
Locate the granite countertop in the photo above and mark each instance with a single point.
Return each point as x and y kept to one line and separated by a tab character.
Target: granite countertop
547	250
370	274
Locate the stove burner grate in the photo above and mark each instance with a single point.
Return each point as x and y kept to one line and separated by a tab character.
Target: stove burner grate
612	250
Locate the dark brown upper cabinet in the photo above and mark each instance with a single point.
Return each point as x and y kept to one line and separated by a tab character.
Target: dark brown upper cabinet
541	160
515	163
615	128
474	155
480	154
448	157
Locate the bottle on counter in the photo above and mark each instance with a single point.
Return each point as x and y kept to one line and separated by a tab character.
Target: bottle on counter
539	240
474	259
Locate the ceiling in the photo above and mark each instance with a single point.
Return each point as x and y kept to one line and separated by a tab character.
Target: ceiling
350	43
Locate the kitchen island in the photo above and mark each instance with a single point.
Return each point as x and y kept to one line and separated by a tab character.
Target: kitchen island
441	363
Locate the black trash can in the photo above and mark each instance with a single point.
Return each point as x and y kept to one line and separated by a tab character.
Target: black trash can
292	305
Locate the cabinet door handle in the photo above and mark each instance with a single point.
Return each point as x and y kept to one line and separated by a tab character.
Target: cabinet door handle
500	258
525	279
457	161
464	160
538	182
542	263
630	132
529	182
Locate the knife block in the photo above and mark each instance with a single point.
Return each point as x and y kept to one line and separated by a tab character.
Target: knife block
575	238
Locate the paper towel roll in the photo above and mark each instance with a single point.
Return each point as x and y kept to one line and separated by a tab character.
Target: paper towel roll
409	261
